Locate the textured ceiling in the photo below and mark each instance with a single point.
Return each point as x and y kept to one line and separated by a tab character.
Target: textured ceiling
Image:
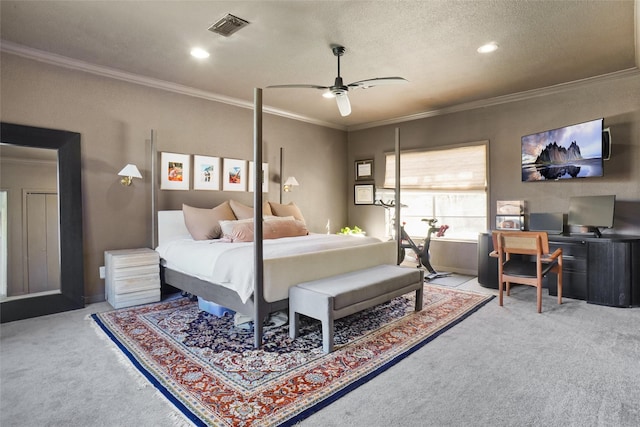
430	43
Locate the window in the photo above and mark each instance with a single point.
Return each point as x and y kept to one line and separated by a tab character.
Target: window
447	184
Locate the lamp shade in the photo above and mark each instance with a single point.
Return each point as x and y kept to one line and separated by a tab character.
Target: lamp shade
130	170
291	181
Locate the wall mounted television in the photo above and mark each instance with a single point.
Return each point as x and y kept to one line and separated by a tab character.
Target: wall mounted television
569	152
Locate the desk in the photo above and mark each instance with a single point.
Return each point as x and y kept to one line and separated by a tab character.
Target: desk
603	270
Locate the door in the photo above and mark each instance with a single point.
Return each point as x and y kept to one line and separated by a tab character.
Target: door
42	261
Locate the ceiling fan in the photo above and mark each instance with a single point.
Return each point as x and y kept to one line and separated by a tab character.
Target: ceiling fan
339	89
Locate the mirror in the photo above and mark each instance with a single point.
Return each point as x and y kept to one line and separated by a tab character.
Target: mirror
29	255
55	291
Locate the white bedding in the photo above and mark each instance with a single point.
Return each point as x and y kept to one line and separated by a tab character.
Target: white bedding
231	264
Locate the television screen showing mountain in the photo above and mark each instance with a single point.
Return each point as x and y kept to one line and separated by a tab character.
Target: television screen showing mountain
569	152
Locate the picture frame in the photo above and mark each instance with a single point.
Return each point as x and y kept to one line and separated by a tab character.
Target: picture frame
510	207
265	177
234	175
364	170
174	171
206	172
364	194
510	222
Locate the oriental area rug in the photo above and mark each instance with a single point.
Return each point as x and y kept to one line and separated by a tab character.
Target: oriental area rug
209	370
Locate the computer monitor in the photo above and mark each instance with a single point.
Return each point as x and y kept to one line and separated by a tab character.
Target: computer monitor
592	211
552	223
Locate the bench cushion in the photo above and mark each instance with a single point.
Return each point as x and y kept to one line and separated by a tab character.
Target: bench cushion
350	288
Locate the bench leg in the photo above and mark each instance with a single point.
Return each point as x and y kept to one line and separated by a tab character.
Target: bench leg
327	335
294	321
419	296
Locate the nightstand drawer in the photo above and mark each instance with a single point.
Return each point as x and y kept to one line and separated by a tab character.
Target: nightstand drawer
135	271
133	257
136	284
135	298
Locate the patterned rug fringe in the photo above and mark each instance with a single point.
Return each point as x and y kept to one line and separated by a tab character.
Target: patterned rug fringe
177	417
140	380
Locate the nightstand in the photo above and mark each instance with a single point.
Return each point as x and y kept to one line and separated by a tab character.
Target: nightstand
132	277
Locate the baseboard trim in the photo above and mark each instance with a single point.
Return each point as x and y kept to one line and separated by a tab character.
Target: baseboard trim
92	299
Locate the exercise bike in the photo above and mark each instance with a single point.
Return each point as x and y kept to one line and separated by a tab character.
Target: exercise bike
421	251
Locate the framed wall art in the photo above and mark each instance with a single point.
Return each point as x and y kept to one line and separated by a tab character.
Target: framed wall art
174	171
206	173
265	177
234	175
363	194
364	170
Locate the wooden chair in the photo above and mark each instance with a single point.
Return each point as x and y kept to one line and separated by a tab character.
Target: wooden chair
532	264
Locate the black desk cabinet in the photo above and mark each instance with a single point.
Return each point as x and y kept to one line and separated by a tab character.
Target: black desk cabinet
602	270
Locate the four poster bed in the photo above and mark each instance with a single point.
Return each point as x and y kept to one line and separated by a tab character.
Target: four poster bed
221	271
267	271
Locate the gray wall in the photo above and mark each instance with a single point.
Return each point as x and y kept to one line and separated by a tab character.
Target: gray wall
615	99
115	119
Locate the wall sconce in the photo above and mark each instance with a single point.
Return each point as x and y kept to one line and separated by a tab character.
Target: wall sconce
128	173
289	183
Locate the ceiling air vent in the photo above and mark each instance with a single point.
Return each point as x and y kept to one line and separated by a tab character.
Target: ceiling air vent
228	25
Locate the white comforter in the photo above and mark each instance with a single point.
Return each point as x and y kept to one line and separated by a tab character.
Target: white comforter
231	264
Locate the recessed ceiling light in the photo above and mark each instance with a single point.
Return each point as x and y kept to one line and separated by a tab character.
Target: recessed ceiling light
199	53
489	47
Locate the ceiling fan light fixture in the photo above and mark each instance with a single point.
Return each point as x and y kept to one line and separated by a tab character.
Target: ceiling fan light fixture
339	90
344	106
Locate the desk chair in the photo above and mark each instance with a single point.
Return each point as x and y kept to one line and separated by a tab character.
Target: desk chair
533	263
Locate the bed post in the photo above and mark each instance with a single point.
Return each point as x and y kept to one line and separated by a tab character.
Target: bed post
154	213
397	198
258	303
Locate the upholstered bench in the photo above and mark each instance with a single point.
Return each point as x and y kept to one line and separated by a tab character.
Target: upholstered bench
338	296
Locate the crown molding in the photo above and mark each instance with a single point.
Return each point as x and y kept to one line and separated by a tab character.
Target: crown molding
505	99
66	62
74	64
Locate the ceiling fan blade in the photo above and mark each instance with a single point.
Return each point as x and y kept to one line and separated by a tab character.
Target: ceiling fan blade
343	104
298	86
378	81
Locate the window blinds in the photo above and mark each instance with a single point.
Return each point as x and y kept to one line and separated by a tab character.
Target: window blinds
454	169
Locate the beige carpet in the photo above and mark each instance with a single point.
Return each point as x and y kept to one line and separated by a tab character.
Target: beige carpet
572	365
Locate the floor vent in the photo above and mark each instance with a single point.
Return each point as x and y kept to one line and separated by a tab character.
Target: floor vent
228	25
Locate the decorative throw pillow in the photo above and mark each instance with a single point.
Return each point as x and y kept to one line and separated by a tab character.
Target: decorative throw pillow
278	218
287	210
266	209
243	231
228	226
204	224
242	211
284	228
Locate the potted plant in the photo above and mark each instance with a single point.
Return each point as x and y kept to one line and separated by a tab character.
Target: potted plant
355	231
